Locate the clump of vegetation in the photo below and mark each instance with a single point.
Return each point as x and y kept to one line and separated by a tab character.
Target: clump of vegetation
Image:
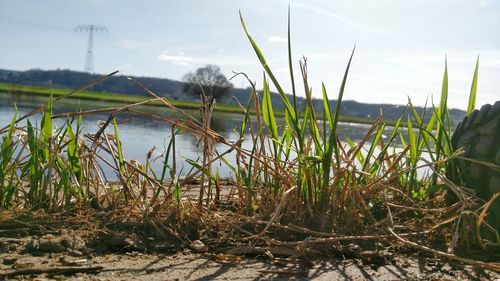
298	185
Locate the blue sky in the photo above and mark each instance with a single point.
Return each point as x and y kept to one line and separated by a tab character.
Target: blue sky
401	45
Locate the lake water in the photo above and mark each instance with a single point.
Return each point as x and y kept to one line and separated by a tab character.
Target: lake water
139	135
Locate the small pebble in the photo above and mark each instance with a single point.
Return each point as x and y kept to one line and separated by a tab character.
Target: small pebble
198	246
74	253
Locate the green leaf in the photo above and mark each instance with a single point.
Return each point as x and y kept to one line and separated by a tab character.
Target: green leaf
72	151
412	141
229	165
473	90
266	67
118	145
46	131
352	145
194	164
332	140
444	92
47	122
268	113
247	115
326	106
374	143
441	114
290	66
167	154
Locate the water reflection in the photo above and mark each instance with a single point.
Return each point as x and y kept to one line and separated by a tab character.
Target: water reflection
139	134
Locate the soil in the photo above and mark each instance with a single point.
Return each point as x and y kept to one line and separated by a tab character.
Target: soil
122	256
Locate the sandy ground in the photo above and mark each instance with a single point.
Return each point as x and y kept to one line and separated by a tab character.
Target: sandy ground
121	255
188	265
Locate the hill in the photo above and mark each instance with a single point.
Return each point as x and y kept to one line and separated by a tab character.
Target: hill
173	89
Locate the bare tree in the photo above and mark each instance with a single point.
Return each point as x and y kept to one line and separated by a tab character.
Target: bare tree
207	80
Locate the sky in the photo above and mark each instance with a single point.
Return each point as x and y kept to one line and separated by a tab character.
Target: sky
400	53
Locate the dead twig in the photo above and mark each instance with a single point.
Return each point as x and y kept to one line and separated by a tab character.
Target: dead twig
254	250
285	272
340	238
484	265
51	270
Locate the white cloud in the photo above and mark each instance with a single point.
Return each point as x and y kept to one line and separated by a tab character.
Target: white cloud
277	39
180	59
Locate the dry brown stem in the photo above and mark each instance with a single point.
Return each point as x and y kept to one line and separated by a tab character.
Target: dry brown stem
484	265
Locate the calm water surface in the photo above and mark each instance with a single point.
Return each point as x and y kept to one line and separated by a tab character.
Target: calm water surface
139	135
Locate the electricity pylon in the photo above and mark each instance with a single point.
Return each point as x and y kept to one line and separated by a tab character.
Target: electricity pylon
90	28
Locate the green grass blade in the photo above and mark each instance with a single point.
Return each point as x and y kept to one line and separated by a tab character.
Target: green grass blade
402	140
268	113
394	133
165	165
118	145
266	67
444	91
412	141
229	165
194	164
441	115
332	140
290	66
46	131
473	90
359	156
326	106
6	165
374	143
72	152
247	115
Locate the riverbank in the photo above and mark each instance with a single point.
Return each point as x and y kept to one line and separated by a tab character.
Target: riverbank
128	99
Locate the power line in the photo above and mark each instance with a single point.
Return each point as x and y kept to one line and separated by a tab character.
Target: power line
29	23
90	28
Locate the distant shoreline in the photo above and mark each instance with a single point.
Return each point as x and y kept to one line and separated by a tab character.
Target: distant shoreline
128	99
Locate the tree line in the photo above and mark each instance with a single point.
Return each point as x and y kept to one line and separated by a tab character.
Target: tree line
208	80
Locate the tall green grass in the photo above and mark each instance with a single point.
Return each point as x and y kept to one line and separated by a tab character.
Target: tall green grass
331	180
